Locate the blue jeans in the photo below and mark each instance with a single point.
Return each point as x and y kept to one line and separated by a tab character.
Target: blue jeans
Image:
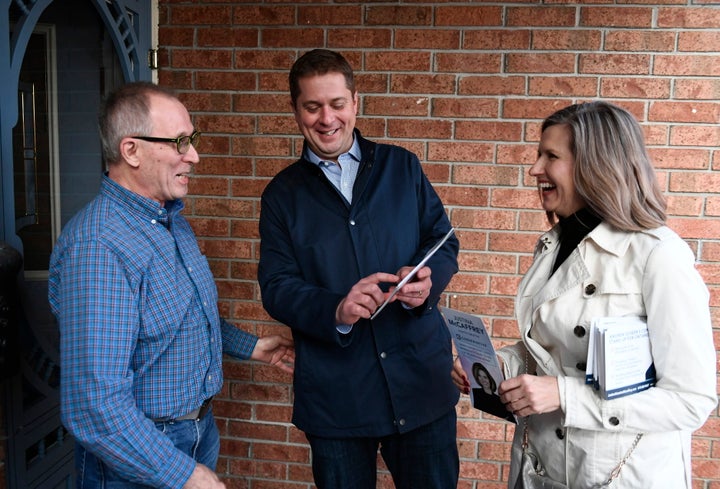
198	439
424	458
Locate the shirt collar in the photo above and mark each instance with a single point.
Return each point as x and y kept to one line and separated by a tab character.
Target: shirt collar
354	151
137	204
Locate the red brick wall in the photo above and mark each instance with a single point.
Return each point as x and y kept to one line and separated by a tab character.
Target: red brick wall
464	86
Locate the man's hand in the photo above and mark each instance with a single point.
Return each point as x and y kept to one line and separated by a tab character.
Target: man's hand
415	292
275	350
364	297
203	478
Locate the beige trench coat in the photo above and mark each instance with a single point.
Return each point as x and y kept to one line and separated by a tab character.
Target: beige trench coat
613	273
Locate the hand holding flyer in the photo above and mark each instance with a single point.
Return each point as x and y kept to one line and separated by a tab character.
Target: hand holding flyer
413	272
479	361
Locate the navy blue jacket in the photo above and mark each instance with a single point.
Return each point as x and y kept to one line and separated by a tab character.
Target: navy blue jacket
388	375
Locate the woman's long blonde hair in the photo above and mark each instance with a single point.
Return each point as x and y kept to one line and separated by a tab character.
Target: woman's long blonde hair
613	172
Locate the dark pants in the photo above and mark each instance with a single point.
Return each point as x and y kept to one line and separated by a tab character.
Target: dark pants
198	439
425	458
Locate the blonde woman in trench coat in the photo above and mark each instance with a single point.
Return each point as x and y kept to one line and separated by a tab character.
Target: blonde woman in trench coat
610	254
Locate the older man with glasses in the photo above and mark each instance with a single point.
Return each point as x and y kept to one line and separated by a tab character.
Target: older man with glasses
141	337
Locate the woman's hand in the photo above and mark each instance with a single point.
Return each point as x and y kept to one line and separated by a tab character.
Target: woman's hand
459	378
530	394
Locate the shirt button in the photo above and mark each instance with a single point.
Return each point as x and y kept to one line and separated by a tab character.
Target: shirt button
579	331
590	289
153	221
210	377
614	421
383	355
189	269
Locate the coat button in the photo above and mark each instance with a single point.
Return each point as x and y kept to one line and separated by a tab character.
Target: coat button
614	421
590	289
559	433
579	331
581	366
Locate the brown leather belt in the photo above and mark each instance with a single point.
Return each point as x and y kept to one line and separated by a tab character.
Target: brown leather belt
196	414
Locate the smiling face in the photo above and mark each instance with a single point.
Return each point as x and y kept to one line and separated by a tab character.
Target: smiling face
325	112
554	169
160	172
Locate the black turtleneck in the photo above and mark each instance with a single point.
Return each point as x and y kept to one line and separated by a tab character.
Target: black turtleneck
572	230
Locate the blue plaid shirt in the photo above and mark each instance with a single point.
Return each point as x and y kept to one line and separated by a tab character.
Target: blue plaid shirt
140	332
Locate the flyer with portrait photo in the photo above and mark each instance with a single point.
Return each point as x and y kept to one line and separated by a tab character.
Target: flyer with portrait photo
479	361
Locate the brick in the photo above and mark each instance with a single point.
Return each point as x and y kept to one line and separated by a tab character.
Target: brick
695	136
419	83
616	64
201	58
686	65
488	131
685	112
484	219
688	17
286	37
554	86
228	37
496	39
260	146
463	283
460	152
468	63
263	15
398	106
513	198
615	16
457	107
696	228
220	165
540	63
545	16
635	87
226	123
532	108
640	41
265	59
575	40
329	15
697	89
176	36
200	14
490	175
262	103
462	195
205	101
451	15
681	205
359	38
276	125
419	128
680	158
208	186
409	15
699	41
397	61
695	182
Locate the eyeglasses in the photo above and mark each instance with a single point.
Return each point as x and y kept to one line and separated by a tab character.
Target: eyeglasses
182	142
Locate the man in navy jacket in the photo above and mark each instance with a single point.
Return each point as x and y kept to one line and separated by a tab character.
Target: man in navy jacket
339	228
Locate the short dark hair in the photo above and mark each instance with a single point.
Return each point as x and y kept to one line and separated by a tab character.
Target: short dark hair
319	62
